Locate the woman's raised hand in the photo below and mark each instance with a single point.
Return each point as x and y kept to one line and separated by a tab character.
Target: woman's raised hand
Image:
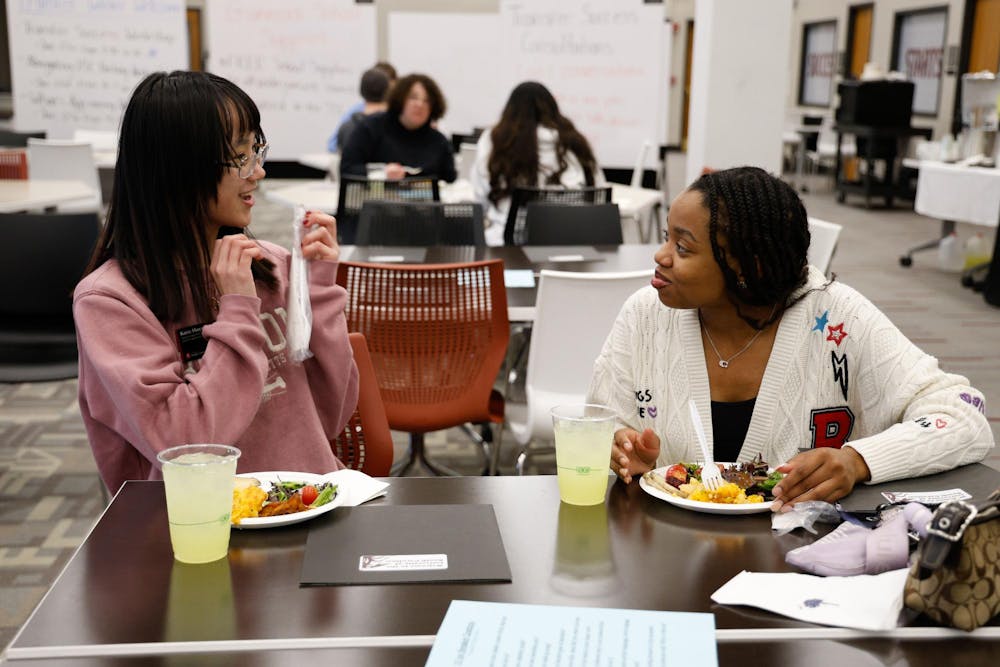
230	266
633	453
320	241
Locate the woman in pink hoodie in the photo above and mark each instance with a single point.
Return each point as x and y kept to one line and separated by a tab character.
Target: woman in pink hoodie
181	318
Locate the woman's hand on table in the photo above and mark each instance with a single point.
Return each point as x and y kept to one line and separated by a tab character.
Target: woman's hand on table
633	453
230	267
394	171
320	239
824	473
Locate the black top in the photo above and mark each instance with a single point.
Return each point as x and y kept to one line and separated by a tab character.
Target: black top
730	422
347	128
380	137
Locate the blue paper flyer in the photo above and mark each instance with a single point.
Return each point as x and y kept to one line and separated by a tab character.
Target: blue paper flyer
491	634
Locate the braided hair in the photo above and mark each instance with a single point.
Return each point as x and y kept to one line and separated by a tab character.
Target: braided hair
767	232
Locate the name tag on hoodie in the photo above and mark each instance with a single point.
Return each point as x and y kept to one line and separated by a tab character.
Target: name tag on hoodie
192	343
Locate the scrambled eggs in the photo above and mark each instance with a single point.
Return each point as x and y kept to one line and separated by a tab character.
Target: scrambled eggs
728	493
247	501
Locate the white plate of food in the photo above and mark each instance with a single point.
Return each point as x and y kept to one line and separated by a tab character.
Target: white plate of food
270	480
657	486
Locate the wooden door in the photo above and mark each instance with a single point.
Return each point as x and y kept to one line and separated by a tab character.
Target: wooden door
688	52
861	37
984	48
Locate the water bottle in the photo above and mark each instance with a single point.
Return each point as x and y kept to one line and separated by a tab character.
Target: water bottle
977	251
950	254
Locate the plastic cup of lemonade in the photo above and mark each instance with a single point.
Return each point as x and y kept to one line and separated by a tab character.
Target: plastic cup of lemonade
199	482
583	435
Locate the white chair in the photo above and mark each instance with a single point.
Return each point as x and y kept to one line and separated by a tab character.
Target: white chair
823	242
104	144
574	314
467	160
101	140
640	165
825	155
56	159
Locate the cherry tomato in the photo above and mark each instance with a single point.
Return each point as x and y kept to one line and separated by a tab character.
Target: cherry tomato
676	475
309	494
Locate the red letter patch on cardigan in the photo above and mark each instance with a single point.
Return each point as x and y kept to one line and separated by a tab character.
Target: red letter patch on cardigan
831	427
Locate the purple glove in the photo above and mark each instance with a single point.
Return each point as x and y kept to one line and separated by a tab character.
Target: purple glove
851	549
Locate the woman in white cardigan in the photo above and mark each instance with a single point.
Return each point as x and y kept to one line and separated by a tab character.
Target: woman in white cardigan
779	361
532	145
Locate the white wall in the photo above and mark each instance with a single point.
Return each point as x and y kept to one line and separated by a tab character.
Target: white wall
739	84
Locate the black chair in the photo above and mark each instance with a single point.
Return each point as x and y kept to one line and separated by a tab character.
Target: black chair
356	190
393	223
11	139
546	223
513	233
42	257
459	138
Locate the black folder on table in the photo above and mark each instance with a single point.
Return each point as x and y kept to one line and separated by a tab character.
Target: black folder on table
401	544
975	479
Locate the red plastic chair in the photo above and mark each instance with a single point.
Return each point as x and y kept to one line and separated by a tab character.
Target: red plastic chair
366	443
13	164
437	334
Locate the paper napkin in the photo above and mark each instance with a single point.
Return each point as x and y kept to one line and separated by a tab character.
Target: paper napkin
356	486
865	602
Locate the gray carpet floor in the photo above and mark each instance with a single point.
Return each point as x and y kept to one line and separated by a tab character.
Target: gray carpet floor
50	494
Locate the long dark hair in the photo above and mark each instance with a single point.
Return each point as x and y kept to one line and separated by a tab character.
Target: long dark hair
175	142
767	233
514	160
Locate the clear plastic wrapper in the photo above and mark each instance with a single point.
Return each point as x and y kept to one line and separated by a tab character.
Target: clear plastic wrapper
804	515
299	308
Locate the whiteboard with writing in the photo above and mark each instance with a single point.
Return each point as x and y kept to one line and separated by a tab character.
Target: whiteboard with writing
471	69
74	63
605	61
300	60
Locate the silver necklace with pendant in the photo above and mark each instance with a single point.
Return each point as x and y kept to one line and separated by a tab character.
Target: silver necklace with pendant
724	363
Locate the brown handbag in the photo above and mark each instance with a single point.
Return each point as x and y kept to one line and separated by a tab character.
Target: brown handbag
955	578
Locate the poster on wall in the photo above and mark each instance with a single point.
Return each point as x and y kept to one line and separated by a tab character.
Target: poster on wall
819	57
918	54
74	63
300	60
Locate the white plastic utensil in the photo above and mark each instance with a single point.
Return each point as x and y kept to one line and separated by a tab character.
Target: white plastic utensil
711	478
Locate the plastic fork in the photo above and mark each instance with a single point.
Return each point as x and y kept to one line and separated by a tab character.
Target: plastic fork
711	478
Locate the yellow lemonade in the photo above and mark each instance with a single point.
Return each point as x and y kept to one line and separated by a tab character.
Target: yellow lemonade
583	451
199	490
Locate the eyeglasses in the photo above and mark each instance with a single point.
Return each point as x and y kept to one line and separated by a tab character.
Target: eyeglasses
246	164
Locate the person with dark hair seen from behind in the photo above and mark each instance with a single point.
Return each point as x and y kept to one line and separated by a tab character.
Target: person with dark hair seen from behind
374	88
334	143
532	145
403	137
780	361
180	316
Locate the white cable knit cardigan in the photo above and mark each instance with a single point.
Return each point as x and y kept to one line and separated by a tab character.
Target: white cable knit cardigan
839	371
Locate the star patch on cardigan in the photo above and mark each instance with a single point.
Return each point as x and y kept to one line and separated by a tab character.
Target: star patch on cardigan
837	333
821	321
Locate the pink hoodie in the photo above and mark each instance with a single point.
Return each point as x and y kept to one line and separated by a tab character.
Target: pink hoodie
138	397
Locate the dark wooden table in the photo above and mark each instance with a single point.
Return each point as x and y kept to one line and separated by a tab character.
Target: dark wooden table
122	595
